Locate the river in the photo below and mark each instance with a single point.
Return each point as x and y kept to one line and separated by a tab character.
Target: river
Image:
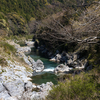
47	75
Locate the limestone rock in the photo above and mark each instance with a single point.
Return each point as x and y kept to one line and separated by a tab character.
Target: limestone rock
56	58
75	57
1	88
44	90
26	59
28	86
32	61
62	68
24	49
29	43
39	66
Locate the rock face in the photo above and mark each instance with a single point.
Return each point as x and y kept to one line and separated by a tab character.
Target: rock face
21	51
15	84
12	81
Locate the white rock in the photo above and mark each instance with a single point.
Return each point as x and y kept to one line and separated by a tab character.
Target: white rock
82	67
39	66
28	86
32	61
62	68
44	91
11	98
69	61
24	49
0	67
1	88
29	43
56	58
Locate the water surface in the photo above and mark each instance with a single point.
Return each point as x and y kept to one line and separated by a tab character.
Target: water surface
47	75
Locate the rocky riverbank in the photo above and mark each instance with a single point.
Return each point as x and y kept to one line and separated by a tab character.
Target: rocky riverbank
14	78
71	63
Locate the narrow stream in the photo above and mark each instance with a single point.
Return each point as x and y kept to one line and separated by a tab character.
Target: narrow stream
47	75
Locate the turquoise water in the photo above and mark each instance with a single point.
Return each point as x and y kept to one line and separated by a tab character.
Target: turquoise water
47	75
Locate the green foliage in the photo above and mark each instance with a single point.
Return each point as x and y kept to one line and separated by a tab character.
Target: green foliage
18	24
82	87
36	8
3	23
7	48
29	36
26	8
2	16
85	86
94	54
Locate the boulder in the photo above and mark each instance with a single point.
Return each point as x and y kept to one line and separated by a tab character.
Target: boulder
75	57
69	61
28	86
62	69
29	43
80	67
65	57
53	59
39	66
57	58
44	90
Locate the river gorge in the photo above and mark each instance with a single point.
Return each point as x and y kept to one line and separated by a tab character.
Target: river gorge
33	76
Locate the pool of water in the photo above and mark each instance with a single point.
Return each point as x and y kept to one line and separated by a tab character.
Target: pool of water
47	75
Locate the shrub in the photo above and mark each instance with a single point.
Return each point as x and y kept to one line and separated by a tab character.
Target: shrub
3	61
8	48
2	16
82	87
